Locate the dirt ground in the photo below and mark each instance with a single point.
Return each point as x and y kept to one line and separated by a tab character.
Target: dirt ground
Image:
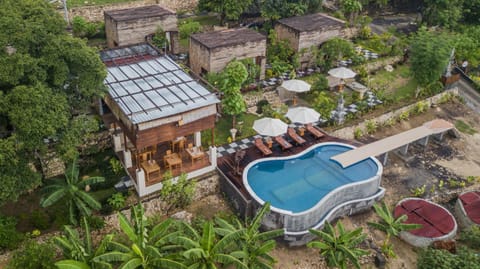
454	157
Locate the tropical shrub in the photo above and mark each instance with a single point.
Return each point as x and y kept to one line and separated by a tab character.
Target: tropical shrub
188	27
260	105
33	255
96	222
320	84
117	201
159	39
357	133
9	237
371	126
83	28
179	194
405	115
338	246
116	166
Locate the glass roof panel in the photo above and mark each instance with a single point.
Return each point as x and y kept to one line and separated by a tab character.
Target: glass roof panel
157	66
143	100
117	73
117	89
129	72
183	76
130	87
147	68
167	64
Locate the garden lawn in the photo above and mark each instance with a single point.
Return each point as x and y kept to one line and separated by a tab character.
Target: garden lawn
79	3
398	84
223	126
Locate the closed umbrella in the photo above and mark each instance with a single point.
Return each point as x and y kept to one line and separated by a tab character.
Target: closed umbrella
303	115
270	127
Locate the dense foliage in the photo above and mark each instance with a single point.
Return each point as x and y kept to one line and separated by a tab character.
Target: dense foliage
442	259
9	237
46	78
231	80
430	54
33	255
228	9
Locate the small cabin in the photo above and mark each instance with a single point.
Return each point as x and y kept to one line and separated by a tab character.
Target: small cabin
131	26
212	51
303	32
157	113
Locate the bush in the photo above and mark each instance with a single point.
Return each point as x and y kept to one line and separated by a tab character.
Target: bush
117	201
9	237
442	259
471	237
179	194
160	39
260	105
40	219
320	84
189	27
371	126
82	28
357	133
33	256
96	222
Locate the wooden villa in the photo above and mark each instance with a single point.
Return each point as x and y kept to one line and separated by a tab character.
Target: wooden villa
303	32
157	112
212	51
132	25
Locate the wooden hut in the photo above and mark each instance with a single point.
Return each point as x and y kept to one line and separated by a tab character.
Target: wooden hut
157	113
132	26
212	51
303	32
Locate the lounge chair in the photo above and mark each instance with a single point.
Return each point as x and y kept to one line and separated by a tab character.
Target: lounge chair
314	131
283	143
262	147
295	137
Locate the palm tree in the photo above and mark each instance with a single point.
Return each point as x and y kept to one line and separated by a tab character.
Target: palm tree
390	226
204	251
79	253
148	249
339	247
71	190
254	246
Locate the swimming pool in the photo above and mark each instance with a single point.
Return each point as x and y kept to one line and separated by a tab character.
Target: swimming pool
308	188
297	184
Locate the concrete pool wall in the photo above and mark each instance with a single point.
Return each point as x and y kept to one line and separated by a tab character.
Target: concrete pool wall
344	200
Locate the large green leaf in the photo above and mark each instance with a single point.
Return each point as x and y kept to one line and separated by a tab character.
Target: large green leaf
228	260
53	197
71	264
132	264
126	227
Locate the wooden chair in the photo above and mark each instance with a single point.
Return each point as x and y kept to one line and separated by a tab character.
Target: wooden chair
283	143
168	154
314	131
260	146
190	145
295	137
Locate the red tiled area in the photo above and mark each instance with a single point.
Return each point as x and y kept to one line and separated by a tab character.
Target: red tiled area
471	204
227	163
435	220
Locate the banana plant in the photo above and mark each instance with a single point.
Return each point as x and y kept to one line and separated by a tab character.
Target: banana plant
254	246
79	252
147	248
339	246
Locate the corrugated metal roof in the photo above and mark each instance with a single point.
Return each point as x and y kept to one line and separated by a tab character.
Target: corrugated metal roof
152	87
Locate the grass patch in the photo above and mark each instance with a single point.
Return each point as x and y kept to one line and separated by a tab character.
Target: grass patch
310	79
203	20
398	84
103	195
223	126
464	127
80	3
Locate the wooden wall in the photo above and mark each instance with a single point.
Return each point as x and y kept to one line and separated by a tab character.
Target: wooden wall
171	131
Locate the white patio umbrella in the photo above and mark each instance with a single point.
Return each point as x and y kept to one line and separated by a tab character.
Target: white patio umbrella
342	73
302	115
270	127
295	85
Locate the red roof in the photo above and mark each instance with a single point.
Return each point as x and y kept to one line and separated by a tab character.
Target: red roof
435	220
471	204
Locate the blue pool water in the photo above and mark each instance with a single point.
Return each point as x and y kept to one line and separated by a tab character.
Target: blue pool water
299	183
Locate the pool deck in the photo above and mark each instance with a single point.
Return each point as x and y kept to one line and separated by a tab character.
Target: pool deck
226	163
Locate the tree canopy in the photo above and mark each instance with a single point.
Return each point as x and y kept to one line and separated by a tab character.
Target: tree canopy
430	54
228	9
47	78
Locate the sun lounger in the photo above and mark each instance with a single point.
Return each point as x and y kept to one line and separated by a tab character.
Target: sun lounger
283	143
314	131
262	147
295	137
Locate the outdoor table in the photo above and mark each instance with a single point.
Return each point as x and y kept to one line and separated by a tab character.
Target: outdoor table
173	160
151	168
195	153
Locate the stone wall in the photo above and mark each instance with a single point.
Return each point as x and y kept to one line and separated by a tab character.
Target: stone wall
198	57
310	39
95	13
123	33
286	33
252	98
